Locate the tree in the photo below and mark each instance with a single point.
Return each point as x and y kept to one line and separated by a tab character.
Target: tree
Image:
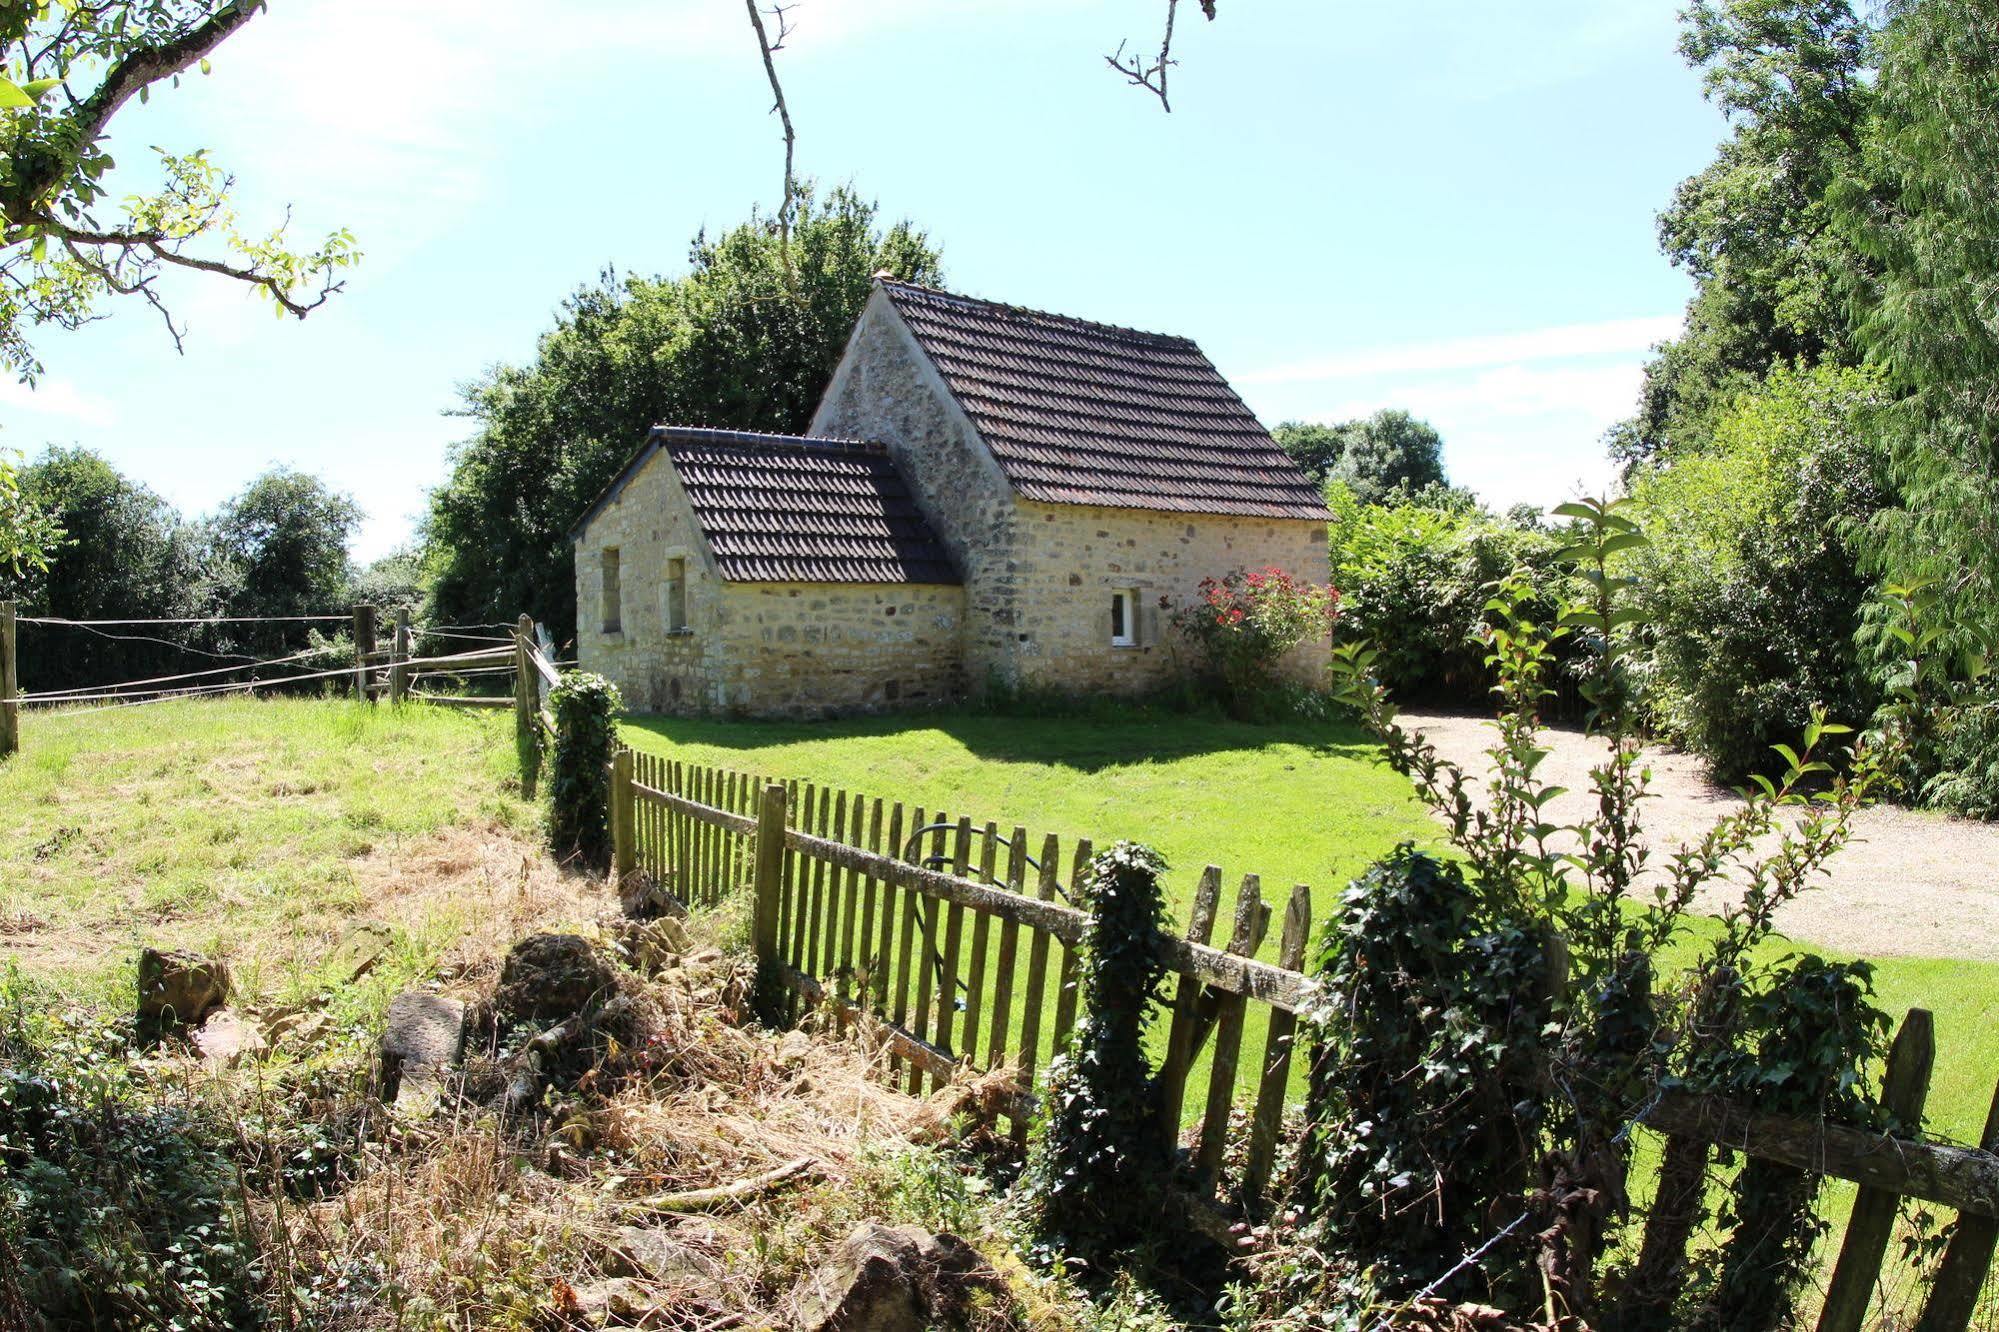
1755	228
125	553
744	340
1374	456
66	71
27	531
280	547
1925	209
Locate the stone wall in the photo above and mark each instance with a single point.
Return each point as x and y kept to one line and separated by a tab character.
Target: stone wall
762	649
648	523
1039	577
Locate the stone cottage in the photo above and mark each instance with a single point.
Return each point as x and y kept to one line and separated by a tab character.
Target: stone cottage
988	494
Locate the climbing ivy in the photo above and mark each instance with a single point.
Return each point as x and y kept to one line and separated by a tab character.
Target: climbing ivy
1096	1177
586	732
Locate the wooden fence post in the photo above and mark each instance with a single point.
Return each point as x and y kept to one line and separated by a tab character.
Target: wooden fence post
1960	1278
525	697
1905	1085
10	684
399	674
624	849
769	874
364	648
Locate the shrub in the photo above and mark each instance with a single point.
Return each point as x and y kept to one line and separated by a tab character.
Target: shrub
586	710
1424	1044
1415	574
1095	1181
1245	621
116	1201
1752	591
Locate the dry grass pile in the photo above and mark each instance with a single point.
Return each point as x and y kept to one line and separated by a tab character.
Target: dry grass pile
692	1172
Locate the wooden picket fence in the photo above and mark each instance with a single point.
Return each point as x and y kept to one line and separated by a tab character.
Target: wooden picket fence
959	939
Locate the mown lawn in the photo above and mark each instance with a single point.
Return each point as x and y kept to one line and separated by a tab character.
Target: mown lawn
1293	803
293	837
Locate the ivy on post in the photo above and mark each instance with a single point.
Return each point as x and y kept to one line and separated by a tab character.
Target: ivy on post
1097	1176
579	824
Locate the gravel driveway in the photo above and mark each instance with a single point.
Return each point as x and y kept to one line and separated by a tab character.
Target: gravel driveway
1910	884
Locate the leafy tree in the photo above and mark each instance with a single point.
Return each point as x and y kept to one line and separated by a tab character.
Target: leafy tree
1755	228
66	71
1753	586
1924	207
740	341
26	530
280	547
125	553
396	581
1388	451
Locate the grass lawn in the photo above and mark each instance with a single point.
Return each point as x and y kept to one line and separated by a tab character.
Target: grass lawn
294	837
1294	804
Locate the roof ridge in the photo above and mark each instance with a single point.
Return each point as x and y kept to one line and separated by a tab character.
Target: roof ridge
719	437
1049	316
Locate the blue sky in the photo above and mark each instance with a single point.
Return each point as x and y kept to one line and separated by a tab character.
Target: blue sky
1443	205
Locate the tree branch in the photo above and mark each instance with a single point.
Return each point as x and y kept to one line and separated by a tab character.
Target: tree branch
1152	77
149	65
769	49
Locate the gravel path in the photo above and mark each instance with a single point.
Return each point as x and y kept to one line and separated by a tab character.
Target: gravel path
1911	884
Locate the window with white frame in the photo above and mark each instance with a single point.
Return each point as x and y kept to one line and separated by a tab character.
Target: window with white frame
1124	618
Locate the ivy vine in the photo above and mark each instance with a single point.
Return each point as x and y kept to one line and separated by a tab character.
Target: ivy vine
586	710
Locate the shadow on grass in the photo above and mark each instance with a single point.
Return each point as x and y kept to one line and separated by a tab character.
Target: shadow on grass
1084	745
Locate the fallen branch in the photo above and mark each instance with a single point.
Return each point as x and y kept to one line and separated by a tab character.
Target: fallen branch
741	1191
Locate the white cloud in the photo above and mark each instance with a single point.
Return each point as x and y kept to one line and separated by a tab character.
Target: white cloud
56	400
1567	341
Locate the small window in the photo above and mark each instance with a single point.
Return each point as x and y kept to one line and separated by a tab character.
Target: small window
614	622
1124	615
676	595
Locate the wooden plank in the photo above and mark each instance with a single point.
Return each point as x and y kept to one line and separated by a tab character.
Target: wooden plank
623	847
1037	966
815	906
1186	1004
1009	951
975	967
1065	991
1228	1040
926	961
1222	970
1905	1085
869	891
769	876
912	847
884	962
954	935
1268	1118
1960	1277
462	700
10	684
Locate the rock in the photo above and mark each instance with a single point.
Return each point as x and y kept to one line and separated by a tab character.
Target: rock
794	1049
652	1253
424	1036
651	946
226	1037
615	1303
903	1279
643	897
548	977
178	990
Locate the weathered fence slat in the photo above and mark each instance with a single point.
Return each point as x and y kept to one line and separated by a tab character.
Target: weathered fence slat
954	934
1960	1277
1905	1085
885	952
975	967
1065	992
1037	974
926	914
1186	999
1228	1037
1009	951
1268	1118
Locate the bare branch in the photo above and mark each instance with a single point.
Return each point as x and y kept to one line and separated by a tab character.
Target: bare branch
1152	77
769	48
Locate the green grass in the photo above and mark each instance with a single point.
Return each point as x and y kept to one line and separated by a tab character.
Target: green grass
1298	803
254	830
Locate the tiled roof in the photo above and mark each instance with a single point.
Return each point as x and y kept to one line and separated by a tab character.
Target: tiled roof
792	509
1082	413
